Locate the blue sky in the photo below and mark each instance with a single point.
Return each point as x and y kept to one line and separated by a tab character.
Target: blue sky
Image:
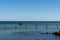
29	10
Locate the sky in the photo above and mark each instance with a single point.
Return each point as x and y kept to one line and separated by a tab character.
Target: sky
29	10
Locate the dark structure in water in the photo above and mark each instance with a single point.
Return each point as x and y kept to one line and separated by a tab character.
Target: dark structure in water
29	25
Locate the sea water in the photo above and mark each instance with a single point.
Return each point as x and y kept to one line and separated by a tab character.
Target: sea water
29	33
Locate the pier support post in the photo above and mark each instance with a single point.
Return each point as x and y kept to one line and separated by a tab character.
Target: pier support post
20	26
46	26
25	26
36	27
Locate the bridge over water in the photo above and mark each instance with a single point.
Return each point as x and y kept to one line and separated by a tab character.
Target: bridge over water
42	26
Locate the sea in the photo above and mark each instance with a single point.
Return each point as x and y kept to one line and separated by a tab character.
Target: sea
33	34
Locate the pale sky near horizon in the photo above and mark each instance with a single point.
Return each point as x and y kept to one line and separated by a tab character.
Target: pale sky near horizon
29	10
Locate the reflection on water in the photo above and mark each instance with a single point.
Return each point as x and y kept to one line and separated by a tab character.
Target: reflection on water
16	35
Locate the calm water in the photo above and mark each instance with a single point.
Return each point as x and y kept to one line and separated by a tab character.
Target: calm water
32	35
29	33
